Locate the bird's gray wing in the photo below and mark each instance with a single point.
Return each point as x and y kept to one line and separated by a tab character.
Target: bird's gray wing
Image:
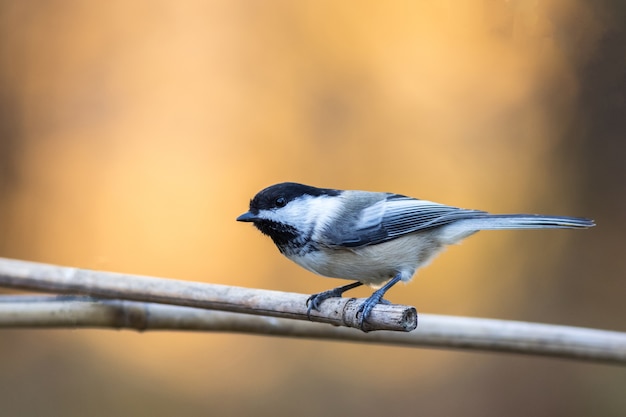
393	217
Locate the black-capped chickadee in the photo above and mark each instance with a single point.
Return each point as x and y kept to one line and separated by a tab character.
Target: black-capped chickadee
377	239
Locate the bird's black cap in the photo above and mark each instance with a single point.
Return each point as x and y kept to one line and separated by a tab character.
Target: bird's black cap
278	195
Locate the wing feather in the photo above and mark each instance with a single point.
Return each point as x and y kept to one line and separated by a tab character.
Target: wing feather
393	217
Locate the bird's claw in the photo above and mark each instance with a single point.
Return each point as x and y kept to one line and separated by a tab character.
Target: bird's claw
314	301
366	308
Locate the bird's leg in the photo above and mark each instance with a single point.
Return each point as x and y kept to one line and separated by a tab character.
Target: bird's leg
314	301
376	298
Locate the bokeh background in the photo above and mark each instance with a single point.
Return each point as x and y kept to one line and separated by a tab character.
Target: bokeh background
132	133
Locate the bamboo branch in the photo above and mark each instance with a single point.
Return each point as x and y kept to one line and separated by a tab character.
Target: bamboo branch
434	331
64	280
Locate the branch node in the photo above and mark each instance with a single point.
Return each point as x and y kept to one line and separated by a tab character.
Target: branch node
383	316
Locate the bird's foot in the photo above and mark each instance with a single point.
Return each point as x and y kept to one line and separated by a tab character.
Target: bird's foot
376	298
368	305
314	301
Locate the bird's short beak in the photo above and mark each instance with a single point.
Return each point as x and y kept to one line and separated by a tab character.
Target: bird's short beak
247	217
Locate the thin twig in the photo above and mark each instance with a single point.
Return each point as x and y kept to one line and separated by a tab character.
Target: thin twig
64	280
434	330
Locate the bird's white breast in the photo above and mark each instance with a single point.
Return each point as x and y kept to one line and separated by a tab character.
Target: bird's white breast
372	265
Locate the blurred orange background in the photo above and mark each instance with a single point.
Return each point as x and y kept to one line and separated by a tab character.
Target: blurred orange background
132	133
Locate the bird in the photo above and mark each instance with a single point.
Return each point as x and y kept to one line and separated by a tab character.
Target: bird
374	238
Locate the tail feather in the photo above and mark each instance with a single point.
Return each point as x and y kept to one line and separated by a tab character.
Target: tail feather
460	229
528	221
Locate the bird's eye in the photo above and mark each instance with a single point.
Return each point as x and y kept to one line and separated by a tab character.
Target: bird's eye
281	202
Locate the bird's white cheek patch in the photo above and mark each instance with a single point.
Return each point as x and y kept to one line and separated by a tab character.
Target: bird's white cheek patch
305	214
319	210
309	212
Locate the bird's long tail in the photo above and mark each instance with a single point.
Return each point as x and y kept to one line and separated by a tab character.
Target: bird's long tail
471	224
526	221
